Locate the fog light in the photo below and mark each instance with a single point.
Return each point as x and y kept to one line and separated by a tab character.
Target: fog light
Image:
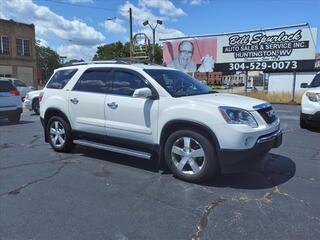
248	140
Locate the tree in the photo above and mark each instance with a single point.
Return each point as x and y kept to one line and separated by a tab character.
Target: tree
47	61
118	50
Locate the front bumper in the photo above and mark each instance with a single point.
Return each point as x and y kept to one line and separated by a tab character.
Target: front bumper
240	160
311	118
27	104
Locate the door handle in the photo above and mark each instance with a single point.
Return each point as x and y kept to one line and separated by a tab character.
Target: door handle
112	105
74	100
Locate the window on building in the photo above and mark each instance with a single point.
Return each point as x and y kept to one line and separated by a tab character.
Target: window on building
23	47
4	45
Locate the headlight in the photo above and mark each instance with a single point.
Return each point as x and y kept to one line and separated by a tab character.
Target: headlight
238	116
313	97
27	96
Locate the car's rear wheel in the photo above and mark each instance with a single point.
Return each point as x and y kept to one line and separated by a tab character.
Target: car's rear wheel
303	123
14	118
59	133
191	156
36	106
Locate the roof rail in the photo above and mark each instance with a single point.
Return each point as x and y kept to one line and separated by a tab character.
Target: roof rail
101	62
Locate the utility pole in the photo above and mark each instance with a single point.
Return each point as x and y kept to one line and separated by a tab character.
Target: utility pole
131	47
153	45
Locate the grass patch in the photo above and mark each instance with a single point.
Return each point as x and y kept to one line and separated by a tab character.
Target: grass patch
283	97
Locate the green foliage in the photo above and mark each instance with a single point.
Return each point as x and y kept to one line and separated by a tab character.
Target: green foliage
47	61
119	50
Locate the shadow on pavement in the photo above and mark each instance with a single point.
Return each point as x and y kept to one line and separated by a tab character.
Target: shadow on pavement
274	170
149	165
7	123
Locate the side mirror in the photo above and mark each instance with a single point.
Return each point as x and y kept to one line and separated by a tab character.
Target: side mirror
304	85
142	93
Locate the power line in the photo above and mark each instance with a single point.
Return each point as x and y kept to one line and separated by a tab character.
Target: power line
83	6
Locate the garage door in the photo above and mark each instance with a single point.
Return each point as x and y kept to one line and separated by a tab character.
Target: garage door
26	74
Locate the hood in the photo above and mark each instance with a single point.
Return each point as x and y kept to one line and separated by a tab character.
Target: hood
224	99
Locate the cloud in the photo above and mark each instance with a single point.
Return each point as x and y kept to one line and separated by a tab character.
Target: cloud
74	51
195	2
142	13
42	42
50	25
114	26
166	7
81	1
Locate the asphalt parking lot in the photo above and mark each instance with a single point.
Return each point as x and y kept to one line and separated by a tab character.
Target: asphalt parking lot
91	194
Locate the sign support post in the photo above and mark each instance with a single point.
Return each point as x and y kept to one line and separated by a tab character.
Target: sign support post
293	88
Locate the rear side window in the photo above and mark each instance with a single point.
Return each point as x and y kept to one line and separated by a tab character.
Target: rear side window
6	86
97	80
19	83
125	83
61	78
316	81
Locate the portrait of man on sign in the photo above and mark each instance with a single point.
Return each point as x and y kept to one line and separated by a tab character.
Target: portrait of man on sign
191	55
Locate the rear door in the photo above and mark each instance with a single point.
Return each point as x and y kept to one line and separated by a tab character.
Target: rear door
87	100
8	101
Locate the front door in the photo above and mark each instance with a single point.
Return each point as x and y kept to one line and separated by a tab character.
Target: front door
87	101
129	117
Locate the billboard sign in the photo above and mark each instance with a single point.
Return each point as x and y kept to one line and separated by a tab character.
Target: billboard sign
286	50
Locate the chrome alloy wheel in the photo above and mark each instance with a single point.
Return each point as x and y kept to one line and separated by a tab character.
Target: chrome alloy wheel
188	155
57	134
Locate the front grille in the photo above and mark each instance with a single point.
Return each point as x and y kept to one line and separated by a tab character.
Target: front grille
268	114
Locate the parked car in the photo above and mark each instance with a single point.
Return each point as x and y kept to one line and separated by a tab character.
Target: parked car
148	110
10	101
20	85
310	104
31	101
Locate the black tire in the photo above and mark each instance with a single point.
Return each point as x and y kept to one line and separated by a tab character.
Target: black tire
303	123
36	106
210	165
14	118
67	136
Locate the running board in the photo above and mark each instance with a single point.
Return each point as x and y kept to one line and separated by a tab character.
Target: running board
111	148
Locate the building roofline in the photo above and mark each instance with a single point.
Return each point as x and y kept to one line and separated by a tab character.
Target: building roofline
16	23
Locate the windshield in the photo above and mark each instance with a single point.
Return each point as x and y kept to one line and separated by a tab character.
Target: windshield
178	84
316	81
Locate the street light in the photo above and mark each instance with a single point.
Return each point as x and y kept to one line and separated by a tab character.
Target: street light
145	23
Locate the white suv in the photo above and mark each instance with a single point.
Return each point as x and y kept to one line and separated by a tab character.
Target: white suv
310	104
148	110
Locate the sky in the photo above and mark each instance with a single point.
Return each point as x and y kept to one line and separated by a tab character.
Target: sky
74	28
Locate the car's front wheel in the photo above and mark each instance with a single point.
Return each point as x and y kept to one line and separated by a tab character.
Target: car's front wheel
59	133
191	156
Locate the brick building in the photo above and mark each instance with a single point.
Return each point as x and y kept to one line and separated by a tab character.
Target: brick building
17	51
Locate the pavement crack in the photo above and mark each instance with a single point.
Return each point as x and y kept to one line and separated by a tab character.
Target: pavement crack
19	189
204	218
36	163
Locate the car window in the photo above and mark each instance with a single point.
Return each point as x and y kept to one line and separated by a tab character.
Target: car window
61	78
178	84
316	81
6	86
125	83
19	83
95	80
